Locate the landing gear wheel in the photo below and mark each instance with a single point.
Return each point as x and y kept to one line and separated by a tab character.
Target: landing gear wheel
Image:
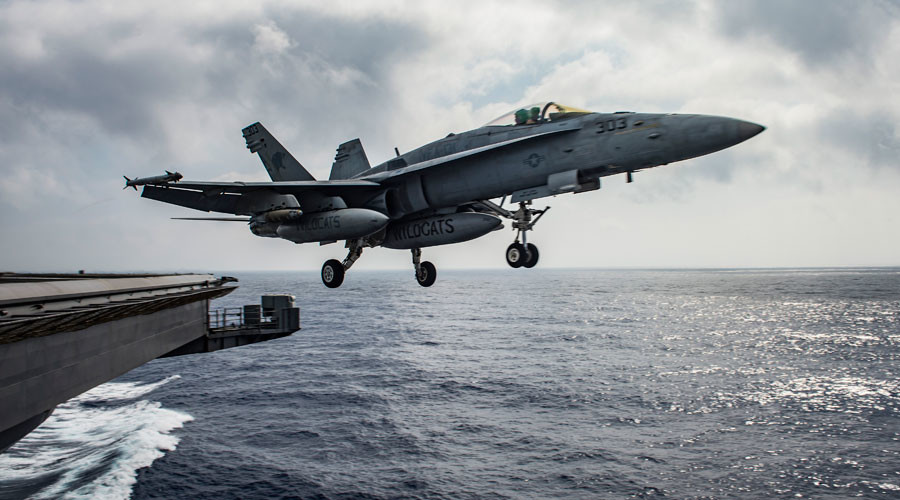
426	274
533	256
515	255
333	273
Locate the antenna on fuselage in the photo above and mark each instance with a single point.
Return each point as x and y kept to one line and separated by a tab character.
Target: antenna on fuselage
396	150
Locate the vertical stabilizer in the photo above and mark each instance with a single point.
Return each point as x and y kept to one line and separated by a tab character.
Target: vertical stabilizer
349	161
278	162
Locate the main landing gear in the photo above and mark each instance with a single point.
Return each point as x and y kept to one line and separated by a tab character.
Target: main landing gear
426	273
333	270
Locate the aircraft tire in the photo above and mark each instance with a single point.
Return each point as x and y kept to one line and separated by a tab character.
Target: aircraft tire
333	273
533	256
427	274
515	255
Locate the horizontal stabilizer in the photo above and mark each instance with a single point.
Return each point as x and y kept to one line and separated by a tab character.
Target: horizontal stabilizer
280	164
349	161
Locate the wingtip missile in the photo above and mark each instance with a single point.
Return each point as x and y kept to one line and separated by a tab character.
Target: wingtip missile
155	180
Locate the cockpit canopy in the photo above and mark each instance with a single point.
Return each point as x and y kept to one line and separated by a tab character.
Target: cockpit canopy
536	113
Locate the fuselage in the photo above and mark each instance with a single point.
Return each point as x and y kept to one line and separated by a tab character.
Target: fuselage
589	145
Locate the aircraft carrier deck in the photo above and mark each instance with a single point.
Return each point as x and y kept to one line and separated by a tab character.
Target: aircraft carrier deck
63	334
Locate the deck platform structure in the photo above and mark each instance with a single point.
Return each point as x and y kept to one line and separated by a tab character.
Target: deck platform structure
63	334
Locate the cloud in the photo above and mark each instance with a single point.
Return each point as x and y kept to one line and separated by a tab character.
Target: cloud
92	90
820	31
270	39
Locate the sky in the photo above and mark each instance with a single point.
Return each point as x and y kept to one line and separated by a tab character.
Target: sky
94	90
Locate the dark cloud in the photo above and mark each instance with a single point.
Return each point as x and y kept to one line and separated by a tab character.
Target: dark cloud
80	72
820	31
124	75
336	76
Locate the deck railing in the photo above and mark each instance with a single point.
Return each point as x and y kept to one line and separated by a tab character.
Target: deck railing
238	317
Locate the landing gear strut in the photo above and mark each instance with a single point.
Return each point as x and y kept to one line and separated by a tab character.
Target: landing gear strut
521	253
426	273
333	270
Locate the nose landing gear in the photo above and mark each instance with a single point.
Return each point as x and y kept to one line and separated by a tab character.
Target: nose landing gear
521	253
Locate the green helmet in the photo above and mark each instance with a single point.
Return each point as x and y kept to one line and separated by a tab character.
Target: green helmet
535	113
521	116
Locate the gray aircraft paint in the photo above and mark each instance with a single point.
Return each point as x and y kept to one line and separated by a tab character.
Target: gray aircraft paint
439	230
350	160
596	144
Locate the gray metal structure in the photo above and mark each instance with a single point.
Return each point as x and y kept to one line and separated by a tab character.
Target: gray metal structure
61	335
441	193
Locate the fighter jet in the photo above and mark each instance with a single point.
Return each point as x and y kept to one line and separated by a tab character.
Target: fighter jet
156	179
443	192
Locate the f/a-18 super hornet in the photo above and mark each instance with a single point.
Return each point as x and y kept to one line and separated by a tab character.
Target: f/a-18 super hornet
442	192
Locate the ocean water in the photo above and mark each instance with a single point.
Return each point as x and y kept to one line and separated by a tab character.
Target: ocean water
509	384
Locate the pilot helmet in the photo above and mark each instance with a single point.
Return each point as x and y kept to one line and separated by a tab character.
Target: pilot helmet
535	113
521	116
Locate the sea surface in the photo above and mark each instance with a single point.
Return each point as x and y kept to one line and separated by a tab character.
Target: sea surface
508	384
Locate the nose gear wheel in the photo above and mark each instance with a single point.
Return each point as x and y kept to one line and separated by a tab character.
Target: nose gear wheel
533	256
515	255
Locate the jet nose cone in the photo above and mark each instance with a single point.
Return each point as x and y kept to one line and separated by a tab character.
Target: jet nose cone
746	130
698	135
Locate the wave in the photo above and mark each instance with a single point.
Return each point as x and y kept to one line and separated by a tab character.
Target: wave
92	446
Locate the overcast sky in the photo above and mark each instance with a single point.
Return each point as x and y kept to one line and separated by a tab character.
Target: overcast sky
93	90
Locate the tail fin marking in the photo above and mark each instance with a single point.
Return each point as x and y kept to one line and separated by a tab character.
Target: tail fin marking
280	164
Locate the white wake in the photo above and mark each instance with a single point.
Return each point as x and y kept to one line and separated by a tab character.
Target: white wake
92	445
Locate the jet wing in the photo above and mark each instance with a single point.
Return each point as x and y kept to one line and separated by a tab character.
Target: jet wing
229	197
381	176
285	187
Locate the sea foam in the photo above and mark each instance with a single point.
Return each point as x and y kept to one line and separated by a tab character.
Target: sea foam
92	445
